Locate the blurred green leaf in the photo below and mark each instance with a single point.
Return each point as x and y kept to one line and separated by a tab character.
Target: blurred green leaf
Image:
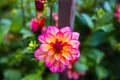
79	66
11	74
95	38
95	54
53	76
106	28
104	19
107	6
101	72
88	20
4	28
32	77
16	21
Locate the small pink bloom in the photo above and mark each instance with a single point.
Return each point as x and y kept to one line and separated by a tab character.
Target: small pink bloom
55	16
73	74
117	13
38	25
59	47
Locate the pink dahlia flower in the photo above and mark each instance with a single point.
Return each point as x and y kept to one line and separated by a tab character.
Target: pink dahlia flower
59	47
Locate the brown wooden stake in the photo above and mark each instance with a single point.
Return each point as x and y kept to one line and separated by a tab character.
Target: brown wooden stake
66	14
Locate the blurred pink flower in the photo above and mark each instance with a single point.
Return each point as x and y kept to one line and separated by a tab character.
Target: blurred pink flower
74	75
58	48
117	13
38	25
55	16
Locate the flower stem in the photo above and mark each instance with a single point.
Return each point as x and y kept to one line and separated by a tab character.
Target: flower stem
23	15
50	14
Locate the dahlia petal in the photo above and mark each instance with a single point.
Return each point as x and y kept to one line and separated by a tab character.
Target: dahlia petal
39	55
62	67
50	52
45	47
75	35
75	53
57	56
49	61
67	36
55	67
67	47
65	29
41	38
49	38
67	55
53	30
75	43
59	35
64	61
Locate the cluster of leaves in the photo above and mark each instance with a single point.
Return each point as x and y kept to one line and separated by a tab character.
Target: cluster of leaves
100	41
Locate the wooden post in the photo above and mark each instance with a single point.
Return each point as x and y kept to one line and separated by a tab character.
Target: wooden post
66	14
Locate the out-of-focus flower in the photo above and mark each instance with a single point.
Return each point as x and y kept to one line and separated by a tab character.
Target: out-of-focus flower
74	75
55	16
71	73
39	4
58	48
117	13
38	25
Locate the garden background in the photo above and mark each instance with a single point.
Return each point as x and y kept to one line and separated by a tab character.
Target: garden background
97	21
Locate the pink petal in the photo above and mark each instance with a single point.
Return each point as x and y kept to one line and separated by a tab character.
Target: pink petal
64	61
53	30
50	52
49	61
55	67
69	74
45	47
41	38
59	36
67	55
75	53
57	56
67	47
75	43
67	36
49	38
75	75
39	55
61	68
75	35
65	29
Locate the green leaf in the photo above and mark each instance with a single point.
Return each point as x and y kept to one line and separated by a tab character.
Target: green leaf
88	20
11	74
101	72
53	76
95	38
79	66
95	55
16	21
4	28
104	19
32	77
106	28
107	6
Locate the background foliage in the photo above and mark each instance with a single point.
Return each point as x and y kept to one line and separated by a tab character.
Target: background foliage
100	41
